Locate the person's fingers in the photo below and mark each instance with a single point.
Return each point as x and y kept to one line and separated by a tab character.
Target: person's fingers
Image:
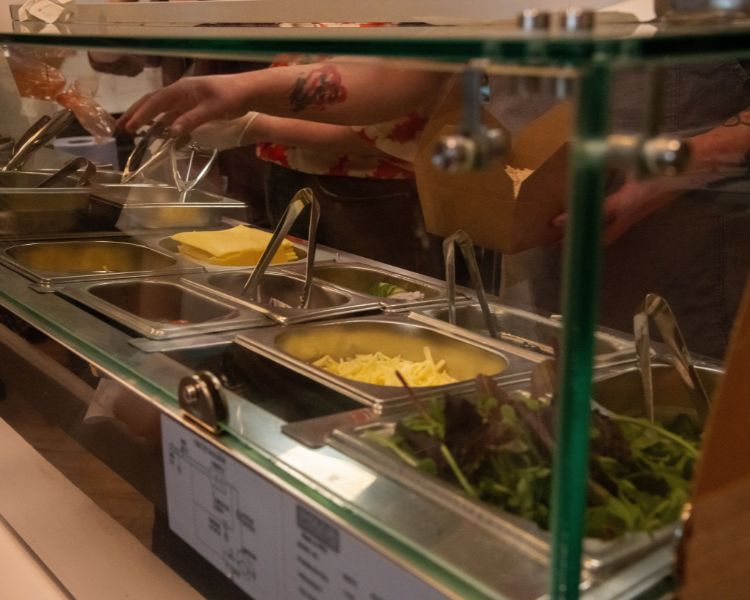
194	118
560	221
169	99
126	116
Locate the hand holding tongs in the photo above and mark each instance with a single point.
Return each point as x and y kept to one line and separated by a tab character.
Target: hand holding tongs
158	140
462	239
656	307
302	198
43	131
155	139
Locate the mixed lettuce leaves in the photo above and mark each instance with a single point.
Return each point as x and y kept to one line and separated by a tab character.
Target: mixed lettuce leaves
498	448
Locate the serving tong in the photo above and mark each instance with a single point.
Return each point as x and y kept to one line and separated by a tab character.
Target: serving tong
656	307
44	130
83	168
303	198
158	142
184	180
461	239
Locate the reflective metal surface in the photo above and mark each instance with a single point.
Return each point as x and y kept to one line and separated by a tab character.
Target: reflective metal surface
31	179
621	392
278	296
47	212
299	346
530	331
161	308
55	262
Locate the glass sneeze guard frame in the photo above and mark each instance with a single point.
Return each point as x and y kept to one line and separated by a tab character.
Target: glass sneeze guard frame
593	57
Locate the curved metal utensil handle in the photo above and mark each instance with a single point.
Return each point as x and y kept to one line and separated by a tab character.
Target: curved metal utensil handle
312	243
79	165
43	131
135	165
461	239
30	132
301	199
657	308
184	182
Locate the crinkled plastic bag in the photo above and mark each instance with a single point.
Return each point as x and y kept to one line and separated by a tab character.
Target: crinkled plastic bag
90	114
34	77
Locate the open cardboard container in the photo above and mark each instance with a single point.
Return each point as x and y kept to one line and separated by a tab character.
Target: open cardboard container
483	202
715	555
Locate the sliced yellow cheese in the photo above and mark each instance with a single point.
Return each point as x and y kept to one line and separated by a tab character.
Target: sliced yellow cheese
239	246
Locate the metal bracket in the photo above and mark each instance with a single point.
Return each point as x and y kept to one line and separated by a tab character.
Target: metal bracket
201	399
657	156
474	145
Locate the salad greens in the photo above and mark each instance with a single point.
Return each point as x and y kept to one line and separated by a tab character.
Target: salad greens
498	448
383	289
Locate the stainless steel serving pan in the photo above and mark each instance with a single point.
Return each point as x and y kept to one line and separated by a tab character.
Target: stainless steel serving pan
32	213
44	213
620	390
298	346
617	388
362	278
164	207
31	179
278	289
51	263
531	331
162	308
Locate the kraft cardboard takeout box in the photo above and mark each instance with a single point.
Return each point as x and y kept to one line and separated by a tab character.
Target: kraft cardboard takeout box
483	202
716	549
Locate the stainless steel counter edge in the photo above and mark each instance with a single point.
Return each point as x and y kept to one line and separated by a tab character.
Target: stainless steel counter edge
458	546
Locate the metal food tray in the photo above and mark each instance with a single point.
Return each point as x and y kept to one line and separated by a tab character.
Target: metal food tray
359	276
54	263
325	300
296	347
157	307
146	206
31	179
51	212
600	557
531	331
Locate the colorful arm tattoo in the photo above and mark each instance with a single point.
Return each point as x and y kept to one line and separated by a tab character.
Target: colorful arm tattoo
317	89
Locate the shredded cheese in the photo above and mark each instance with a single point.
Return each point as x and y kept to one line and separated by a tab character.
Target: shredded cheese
380	369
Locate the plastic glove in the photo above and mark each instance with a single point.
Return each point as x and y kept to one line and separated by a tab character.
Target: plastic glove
223	135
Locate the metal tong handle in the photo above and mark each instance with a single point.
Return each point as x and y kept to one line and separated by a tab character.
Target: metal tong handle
135	165
462	239
80	165
656	307
301	199
44	130
185	183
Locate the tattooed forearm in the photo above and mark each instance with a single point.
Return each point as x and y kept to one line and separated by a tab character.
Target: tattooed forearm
742	118
317	89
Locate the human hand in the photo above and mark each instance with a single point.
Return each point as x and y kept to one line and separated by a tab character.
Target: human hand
223	135
187	104
634	201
